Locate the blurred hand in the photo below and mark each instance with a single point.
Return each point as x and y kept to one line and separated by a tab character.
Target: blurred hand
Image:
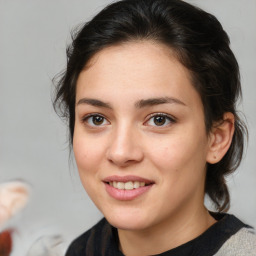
13	197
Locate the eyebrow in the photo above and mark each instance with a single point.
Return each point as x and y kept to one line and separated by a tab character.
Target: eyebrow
139	104
158	101
94	102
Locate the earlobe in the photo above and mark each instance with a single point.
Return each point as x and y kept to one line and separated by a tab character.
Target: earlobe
220	138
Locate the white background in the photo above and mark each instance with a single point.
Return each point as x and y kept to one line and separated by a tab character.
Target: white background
33	140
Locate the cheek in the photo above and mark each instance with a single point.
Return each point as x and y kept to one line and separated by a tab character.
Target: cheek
178	154
181	167
81	153
86	158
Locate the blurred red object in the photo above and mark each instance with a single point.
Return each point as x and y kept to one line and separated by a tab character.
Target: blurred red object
5	243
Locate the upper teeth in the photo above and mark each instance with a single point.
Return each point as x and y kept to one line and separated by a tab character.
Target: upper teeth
126	185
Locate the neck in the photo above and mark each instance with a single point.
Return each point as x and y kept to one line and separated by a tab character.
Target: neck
166	235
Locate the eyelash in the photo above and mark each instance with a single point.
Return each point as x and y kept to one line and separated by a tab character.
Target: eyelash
87	117
167	117
170	118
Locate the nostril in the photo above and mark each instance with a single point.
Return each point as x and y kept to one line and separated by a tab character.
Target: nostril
124	158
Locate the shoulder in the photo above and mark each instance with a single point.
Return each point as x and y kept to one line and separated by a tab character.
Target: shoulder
82	244
243	242
99	240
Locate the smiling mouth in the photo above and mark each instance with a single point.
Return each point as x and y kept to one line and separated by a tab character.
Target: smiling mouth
129	185
126	188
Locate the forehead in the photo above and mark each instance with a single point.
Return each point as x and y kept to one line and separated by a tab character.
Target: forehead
138	69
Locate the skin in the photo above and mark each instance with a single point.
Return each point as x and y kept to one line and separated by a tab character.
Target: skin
127	141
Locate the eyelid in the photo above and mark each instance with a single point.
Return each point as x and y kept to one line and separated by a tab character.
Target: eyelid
171	118
86	117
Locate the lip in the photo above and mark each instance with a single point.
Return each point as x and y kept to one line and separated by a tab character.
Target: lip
127	195
127	178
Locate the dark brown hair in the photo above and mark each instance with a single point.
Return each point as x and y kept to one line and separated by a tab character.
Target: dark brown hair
200	44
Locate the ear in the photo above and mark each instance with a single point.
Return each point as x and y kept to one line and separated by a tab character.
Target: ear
220	138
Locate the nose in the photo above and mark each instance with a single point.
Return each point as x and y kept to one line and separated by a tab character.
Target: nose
125	148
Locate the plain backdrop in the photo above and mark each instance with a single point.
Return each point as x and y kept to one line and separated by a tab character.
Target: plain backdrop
33	140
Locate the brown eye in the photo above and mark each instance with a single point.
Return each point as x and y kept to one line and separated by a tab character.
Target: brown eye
159	120
95	120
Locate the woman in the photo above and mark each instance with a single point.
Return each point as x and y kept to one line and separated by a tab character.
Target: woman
150	93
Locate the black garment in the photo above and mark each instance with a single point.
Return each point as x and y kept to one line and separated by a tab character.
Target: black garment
102	240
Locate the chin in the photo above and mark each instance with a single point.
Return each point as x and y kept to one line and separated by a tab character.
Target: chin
127	220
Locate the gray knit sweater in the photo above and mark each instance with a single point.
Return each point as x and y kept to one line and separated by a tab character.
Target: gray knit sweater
243	243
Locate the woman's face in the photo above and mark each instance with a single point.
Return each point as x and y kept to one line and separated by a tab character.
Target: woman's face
139	140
